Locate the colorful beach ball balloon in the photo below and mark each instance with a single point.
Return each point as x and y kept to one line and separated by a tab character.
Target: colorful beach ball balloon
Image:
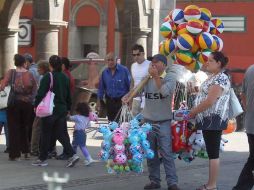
216	26
194	48
169	46
202	56
206	27
217	43
205	14
204	40
194	26
168	29
173	57
161	48
194	67
184	57
166	19
192	12
181	28
185	41
177	16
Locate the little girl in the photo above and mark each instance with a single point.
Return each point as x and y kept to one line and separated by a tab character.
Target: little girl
82	121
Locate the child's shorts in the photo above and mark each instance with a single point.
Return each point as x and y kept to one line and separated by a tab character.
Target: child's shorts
79	138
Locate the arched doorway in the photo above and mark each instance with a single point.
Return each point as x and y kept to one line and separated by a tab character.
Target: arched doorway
47	18
9	27
87	30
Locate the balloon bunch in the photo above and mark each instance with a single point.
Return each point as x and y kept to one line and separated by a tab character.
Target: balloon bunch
190	36
125	146
181	131
187	142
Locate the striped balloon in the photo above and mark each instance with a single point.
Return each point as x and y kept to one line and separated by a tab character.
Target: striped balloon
181	28
205	14
168	29
184	57
192	12
194	26
185	41
177	16
170	46
166	19
194	48
216	26
202	56
194	67
217	43
204	40
162	48
206	27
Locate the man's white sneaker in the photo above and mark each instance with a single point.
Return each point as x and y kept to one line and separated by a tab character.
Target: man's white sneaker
72	161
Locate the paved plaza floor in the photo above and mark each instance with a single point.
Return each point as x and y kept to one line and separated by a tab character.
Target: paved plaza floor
23	176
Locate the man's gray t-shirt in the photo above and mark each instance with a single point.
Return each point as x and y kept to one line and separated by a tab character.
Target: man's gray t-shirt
248	90
158	102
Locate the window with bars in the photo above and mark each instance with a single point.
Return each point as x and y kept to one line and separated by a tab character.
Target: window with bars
233	23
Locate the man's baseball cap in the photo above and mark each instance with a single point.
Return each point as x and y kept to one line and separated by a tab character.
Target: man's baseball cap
160	57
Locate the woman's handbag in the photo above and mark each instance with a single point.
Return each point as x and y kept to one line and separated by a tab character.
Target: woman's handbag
11	96
235	107
45	108
4	97
7	95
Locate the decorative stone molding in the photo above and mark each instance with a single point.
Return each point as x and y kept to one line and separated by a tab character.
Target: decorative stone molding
92	3
49	23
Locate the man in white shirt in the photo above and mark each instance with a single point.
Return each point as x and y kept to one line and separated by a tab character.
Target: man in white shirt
139	70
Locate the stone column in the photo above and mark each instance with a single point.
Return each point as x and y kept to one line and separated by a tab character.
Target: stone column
47	38
160	11
156	25
103	40
74	48
141	38
8	47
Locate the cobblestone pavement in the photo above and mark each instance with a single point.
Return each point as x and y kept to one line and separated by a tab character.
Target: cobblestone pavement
22	176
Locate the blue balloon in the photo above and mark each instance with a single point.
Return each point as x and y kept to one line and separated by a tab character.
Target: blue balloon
134	124
134	139
146	127
135	148
145	144
142	135
137	158
149	154
105	145
104	155
113	125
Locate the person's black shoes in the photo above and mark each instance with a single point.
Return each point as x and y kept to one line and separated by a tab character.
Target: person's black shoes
152	185
173	187
63	157
52	154
6	150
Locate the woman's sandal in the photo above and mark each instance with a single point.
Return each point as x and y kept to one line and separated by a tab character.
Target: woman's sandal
203	187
